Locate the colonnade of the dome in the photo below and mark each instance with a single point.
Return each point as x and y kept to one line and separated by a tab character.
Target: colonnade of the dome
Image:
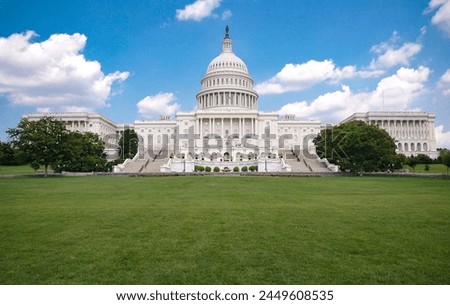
227	82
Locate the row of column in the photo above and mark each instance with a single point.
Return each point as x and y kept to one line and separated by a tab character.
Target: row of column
77	125
423	130
413	147
227	99
207	126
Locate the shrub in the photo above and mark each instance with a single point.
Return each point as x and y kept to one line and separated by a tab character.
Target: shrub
216	169
252	168
244	168
208	169
236	169
35	165
199	168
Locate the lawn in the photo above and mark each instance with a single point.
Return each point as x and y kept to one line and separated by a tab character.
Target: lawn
224	230
433	168
16	169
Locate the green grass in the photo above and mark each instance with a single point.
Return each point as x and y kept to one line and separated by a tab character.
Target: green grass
224	230
16	169
434	168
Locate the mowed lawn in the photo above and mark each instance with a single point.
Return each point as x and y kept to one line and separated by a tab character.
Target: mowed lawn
224	230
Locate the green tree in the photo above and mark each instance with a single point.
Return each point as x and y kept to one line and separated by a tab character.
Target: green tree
445	157
83	153
412	162
41	141
128	144
424	159
399	160
35	165
357	147
8	154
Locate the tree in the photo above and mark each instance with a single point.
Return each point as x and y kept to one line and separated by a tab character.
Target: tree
445	157
40	141
83	153
399	160
412	162
9	155
128	144
424	159
357	147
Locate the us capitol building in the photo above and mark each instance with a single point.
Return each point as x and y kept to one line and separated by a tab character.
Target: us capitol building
226	130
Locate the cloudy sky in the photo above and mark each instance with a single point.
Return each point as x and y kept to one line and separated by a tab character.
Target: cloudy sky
138	59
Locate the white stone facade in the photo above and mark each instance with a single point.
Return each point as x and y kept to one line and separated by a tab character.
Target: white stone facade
413	131
227	125
95	123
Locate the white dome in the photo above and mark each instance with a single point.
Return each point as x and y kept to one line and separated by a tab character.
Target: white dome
227	62
227	82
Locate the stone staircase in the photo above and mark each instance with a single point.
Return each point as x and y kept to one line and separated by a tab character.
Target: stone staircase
146	164
316	166
154	166
299	163
134	166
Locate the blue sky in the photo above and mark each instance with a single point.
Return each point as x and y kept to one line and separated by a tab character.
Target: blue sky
130	59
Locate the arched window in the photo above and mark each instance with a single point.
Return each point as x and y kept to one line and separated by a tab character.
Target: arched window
406	147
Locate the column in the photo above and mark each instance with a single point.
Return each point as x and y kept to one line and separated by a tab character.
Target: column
252	130
240	127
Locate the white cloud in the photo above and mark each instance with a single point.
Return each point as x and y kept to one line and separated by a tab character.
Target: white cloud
390	55
53	74
442	138
395	92
226	15
156	105
444	83
198	10
296	77
442	16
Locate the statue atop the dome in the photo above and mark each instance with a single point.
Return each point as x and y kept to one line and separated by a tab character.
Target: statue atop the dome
227	32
